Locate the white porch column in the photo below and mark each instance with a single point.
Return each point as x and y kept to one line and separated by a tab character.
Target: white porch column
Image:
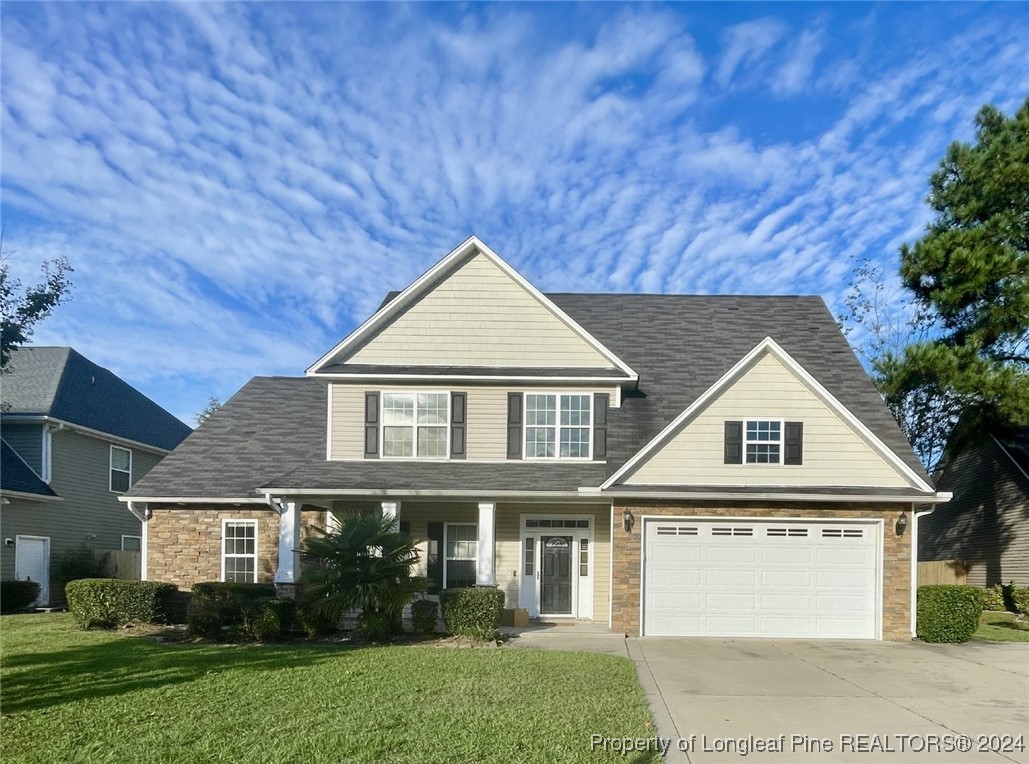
484	575
392	509
289	543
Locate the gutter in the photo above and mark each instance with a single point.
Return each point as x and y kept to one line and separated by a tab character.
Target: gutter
915	515
274	504
60	424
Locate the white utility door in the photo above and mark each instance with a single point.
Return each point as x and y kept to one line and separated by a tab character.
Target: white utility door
32	563
735	578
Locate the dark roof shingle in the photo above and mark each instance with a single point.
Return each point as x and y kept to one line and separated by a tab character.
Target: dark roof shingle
16	475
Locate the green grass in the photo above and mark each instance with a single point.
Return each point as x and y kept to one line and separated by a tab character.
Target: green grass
68	695
1001	627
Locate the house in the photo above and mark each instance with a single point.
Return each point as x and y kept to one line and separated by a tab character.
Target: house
73	438
662	464
986	524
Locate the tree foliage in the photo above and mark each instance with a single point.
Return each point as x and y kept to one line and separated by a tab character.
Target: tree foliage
21	309
364	564
968	281
212	405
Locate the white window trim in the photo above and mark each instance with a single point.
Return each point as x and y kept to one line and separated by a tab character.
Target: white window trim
557	427
529	593
112	469
221	543
414	425
781	442
139	538
446	539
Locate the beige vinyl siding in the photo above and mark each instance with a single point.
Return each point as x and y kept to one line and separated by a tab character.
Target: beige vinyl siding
485	428
89	513
984	525
27	440
479	316
834	453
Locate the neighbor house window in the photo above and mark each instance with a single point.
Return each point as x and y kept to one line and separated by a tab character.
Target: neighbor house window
415	424
557	426
763	441
131	543
462	546
121	469
239	551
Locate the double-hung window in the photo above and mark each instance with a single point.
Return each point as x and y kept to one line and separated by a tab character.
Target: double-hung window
415	424
763	441
557	426
239	551
461	555
121	469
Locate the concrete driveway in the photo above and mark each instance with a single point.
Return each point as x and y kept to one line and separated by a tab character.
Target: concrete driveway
845	701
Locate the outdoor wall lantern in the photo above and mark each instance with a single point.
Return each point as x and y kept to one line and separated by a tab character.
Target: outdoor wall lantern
902	523
628	521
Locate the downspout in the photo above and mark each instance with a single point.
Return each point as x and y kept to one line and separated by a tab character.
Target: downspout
274	504
915	515
142	515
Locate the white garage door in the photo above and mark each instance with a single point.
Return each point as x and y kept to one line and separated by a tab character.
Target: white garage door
760	579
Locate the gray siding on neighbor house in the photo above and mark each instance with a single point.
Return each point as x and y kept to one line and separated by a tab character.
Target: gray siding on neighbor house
27	440
89	514
986	524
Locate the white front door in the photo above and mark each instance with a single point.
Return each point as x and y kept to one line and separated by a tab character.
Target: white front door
32	563
754	578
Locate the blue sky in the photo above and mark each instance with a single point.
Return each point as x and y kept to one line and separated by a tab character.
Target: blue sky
237	186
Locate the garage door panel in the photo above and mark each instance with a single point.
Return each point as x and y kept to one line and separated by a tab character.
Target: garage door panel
762	578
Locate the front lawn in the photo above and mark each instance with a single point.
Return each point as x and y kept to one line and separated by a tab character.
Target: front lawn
1002	627
71	695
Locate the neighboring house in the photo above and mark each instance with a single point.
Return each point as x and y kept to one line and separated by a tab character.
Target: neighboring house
74	438
663	464
986	524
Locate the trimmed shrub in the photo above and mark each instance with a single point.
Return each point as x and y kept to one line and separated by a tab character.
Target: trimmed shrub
269	619
220	609
472	612
110	602
316	621
423	616
1019	596
17	595
948	613
993	598
376	626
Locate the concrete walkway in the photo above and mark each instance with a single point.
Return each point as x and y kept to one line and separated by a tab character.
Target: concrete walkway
835	701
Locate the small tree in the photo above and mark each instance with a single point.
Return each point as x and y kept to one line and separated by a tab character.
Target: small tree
365	564
212	405
21	310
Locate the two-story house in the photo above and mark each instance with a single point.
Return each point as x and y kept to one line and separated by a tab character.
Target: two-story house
663	464
73	438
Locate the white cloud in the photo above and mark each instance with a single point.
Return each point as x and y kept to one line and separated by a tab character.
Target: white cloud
745	44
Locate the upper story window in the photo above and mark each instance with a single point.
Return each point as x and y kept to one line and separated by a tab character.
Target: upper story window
415	424
121	469
557	426
763	441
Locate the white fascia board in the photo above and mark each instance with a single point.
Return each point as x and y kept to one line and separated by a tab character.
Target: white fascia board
190	500
479	495
400	302
771	346
64	424
29	496
1010	456
475	378
729	495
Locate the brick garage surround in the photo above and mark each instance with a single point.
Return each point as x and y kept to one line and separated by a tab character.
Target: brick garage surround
896	553
184	543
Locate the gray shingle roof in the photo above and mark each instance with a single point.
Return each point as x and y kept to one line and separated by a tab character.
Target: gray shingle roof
16	475
272	432
62	383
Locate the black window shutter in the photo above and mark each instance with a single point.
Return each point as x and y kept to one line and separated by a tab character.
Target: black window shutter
458	406
794	443
600	403
405	527
734	442
514	425
434	557
371	425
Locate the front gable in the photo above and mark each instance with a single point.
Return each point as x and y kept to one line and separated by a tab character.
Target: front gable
472	311
767	385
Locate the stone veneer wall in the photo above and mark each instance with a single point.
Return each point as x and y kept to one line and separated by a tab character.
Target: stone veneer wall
184	543
625	610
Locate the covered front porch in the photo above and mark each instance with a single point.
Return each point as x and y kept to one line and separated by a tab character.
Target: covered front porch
552	559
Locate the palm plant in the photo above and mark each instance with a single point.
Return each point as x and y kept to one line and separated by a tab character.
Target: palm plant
364	564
